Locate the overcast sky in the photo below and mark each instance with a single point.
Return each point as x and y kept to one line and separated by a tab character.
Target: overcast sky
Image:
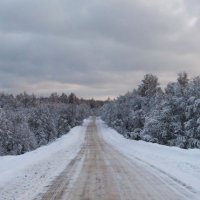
96	48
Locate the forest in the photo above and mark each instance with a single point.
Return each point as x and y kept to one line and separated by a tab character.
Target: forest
28	122
169	116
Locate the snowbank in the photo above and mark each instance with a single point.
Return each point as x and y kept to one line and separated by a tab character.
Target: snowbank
179	164
22	177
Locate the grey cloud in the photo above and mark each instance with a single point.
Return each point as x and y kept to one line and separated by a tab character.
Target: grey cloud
95	44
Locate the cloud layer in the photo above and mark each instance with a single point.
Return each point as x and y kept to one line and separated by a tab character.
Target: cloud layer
95	48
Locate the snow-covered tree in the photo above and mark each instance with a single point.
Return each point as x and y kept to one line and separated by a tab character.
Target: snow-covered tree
27	122
169	117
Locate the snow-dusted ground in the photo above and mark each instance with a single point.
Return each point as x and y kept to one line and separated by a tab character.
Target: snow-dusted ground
22	177
183	166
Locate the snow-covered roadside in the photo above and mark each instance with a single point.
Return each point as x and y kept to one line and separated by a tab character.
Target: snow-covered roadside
179	164
23	177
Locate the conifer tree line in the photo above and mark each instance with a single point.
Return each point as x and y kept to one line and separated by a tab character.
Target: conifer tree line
28	122
169	117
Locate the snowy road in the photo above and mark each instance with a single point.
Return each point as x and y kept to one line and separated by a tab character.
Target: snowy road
99	171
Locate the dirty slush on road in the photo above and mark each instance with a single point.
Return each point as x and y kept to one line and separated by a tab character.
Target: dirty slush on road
99	172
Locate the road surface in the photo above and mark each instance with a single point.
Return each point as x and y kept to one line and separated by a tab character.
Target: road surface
99	172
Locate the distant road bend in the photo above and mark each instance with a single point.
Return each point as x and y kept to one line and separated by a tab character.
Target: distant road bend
99	172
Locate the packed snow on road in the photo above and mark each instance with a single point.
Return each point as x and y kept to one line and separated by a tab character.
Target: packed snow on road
26	176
